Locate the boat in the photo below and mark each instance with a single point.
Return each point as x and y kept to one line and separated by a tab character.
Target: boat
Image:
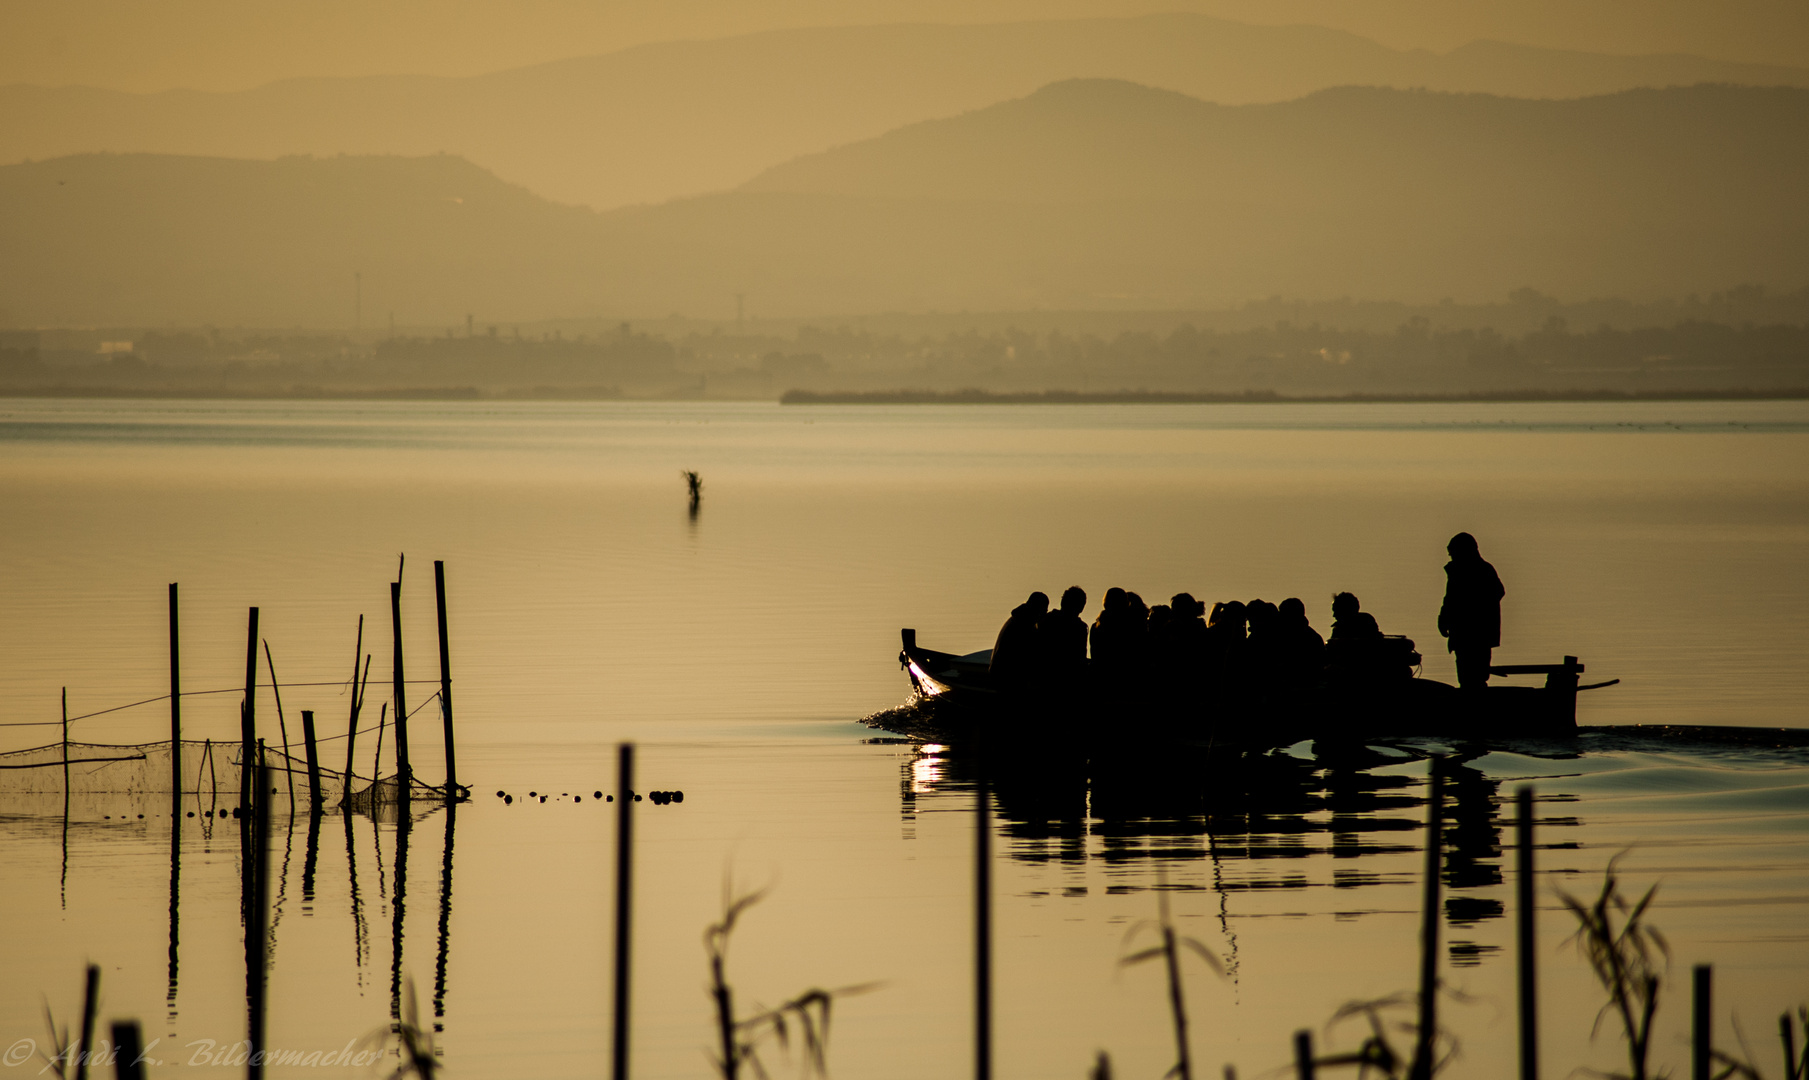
955	698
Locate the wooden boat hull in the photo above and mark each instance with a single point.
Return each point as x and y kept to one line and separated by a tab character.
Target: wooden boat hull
957	699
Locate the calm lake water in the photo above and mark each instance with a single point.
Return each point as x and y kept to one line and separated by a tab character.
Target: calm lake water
1663	543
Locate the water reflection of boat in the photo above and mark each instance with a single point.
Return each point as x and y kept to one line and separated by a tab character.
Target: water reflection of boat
1194	818
958	700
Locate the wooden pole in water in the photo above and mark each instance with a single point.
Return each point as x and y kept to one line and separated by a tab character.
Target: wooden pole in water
1303	1055
248	716
1702	1032
982	932
128	1051
175	711
1429	916
624	906
256	925
276	690
351	731
1527	938
90	991
452	772
63	881
404	775
314	793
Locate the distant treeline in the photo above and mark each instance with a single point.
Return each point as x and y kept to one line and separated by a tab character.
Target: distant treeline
1288	359
1148	397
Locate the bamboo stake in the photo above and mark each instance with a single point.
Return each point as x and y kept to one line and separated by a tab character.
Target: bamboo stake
404	775
248	717
283	725
1702	1031
351	735
314	792
175	802
982	932
1527	939
128	1050
377	761
90	991
175	711
63	881
1429	916
624	908
1304	1066
452	772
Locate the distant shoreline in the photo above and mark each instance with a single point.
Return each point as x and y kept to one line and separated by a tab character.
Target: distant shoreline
900	397
1264	397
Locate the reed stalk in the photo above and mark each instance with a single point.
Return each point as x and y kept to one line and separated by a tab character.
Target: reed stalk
739	1039
1629	958
1168	949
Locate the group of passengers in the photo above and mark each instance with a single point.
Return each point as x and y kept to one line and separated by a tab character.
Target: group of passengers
1256	645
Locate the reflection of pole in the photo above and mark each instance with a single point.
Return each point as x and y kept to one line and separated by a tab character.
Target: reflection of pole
175	896
1527	940
439	969
624	896
1702	1019
439	588
351	864
398	903
257	870
982	932
1429	916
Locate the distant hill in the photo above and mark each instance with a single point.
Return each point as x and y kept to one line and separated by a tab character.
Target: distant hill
150	239
1086	194
662	121
1101	193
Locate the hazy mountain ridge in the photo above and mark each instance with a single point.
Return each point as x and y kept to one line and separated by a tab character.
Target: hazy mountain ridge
1086	194
95	238
661	121
1113	140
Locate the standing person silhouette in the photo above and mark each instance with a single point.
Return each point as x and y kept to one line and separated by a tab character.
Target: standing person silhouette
1470	618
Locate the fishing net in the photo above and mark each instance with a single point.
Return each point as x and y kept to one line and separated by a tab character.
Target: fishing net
208	768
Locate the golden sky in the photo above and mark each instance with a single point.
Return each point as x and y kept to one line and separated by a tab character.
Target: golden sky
233	44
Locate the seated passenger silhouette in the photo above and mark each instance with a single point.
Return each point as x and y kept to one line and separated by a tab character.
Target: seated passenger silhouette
1470	618
1157	658
1225	643
1350	622
1187	635
1062	635
1016	656
1263	646
1353	654
1302	649
1135	628
1107	636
